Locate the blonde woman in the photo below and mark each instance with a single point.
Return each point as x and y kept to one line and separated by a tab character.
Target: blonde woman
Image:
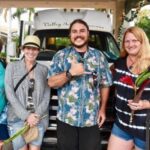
135	58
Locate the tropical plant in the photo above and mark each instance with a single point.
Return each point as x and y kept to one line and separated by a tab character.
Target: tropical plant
30	11
143	21
19	12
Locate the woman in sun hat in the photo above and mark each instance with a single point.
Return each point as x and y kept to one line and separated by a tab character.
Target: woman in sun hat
29	101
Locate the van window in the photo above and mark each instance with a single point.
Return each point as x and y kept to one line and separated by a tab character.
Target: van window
57	43
112	47
54	40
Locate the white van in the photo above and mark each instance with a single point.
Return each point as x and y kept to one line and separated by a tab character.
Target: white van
61	19
52	25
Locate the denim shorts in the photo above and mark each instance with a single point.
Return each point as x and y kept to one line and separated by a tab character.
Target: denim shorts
19	142
127	136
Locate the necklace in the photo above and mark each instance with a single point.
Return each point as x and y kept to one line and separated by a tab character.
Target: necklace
131	63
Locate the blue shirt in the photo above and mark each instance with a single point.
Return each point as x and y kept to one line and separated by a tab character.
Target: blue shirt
2	96
79	99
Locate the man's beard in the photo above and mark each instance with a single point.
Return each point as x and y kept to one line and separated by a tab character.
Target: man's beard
80	46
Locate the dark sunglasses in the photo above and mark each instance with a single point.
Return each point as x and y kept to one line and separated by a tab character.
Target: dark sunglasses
30	104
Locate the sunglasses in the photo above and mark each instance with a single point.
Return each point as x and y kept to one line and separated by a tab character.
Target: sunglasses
30	104
95	78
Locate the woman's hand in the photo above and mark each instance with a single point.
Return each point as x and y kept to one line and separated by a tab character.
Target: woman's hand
142	104
1	145
33	119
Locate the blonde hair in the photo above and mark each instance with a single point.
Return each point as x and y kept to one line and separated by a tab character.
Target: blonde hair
143	56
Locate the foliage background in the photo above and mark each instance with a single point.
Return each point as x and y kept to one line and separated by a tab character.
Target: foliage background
143	21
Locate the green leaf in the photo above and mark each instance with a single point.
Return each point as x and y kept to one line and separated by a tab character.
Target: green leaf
20	132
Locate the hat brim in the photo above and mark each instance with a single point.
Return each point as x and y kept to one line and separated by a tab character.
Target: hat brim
31	45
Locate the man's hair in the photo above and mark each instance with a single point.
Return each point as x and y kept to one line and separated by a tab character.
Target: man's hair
78	21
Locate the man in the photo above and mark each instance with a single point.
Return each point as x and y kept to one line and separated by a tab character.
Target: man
82	78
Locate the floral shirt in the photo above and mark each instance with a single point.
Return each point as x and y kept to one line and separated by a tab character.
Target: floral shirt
79	99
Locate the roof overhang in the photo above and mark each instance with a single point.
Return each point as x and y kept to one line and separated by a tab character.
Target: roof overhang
59	3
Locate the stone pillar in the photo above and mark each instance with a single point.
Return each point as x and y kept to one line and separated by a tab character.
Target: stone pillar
120	6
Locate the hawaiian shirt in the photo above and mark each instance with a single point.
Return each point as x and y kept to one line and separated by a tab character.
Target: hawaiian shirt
79	98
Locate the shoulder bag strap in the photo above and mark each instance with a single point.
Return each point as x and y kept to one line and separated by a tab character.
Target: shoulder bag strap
17	85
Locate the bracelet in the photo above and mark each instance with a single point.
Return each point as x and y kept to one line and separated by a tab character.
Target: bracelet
68	75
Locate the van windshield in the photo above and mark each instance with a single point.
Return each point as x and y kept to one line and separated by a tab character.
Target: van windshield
55	40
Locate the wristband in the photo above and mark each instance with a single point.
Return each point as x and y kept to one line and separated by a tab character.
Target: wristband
68	75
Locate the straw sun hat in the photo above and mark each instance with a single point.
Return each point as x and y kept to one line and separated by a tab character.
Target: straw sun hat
32	40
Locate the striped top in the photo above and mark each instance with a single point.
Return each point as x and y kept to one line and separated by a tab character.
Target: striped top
124	91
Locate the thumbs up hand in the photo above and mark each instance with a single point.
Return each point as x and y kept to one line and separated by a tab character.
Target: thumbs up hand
76	69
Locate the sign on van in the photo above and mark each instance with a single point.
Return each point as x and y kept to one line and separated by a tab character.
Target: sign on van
60	19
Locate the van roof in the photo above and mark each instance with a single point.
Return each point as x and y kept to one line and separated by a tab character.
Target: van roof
61	19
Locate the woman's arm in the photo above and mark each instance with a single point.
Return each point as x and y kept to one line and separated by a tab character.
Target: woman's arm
43	105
